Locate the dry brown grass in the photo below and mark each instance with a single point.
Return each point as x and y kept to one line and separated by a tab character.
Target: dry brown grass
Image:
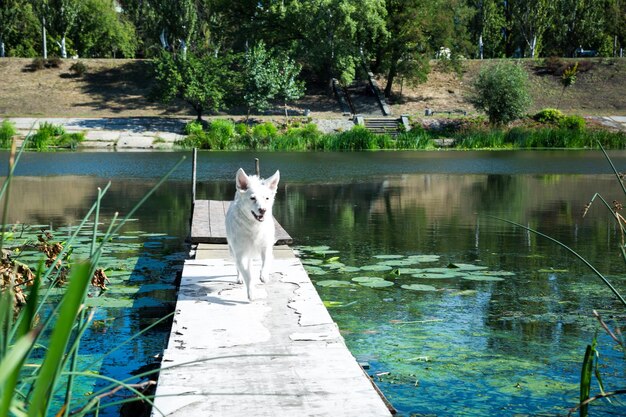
120	88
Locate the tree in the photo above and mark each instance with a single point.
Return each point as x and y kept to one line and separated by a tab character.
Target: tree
501	91
103	32
288	87
329	36
532	18
201	81
9	14
580	23
487	28
259	78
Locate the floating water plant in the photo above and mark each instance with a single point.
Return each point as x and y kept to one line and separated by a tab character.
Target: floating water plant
333	283
373	282
418	287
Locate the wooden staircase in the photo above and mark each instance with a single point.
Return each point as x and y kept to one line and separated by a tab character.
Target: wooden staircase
384	125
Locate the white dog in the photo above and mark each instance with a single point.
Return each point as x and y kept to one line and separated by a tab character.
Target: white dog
250	225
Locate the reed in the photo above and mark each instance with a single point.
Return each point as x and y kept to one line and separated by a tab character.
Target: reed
27	384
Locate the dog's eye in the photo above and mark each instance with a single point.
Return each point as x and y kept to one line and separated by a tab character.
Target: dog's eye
253	198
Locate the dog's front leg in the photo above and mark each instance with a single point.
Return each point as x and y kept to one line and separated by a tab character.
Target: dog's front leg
244	267
267	256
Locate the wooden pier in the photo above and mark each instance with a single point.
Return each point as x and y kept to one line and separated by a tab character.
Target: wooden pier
279	355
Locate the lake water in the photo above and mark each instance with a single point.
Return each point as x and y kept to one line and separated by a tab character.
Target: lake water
502	334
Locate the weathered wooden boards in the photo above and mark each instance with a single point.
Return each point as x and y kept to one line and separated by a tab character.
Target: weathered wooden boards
279	355
208	223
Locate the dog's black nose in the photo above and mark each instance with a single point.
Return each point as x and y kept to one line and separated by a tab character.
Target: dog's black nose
262	211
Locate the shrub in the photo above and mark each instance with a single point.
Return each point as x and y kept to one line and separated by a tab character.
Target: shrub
357	138
220	133
7	131
70	140
38	64
501	91
45	136
549	116
78	68
54	62
193	128
262	135
573	123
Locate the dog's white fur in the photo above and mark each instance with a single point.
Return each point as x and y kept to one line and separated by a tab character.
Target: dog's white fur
250	225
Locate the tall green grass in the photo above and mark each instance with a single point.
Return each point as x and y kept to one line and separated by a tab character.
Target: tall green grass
563	132
28	384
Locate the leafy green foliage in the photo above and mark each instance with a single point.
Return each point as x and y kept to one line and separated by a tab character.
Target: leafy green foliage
259	78
7	131
51	135
549	116
573	122
501	91
201	81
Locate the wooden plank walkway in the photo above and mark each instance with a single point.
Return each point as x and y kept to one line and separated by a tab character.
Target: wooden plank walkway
280	355
208	223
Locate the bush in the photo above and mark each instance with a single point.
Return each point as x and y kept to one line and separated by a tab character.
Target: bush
501	91
78	68
573	123
38	64
549	116
45	136
262	135
7	131
192	128
54	62
220	133
70	140
356	139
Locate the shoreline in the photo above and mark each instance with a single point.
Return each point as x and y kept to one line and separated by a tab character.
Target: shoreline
161	133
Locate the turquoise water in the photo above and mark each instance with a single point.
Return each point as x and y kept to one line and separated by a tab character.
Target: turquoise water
508	344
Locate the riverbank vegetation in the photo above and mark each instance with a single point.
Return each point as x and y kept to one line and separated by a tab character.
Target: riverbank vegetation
537	132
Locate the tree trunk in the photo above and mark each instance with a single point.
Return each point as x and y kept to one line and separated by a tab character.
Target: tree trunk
393	70
43	30
2	51
62	47
286	114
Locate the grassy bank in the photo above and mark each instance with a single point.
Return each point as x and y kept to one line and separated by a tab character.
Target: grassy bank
560	132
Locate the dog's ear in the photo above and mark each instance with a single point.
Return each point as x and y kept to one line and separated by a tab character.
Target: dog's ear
242	180
272	182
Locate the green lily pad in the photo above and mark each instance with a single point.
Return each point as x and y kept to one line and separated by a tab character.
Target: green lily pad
424	258
409	271
311	261
315	270
466	267
377	268
334	283
398	262
494	273
552	270
350	268
418	287
435	275
373	282
482	277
